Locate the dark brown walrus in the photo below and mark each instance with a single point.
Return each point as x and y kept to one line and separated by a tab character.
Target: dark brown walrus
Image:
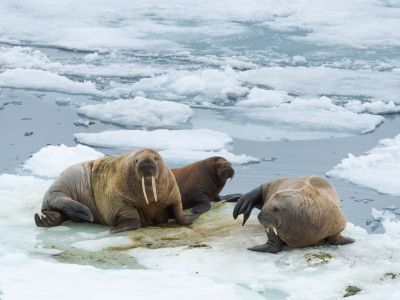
296	211
115	191
202	181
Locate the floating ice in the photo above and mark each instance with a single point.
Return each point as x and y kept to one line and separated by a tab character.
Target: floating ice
188	156
175	146
198	139
50	161
307	81
45	80
379	168
374	107
139	112
29	58
265	98
319	114
209	85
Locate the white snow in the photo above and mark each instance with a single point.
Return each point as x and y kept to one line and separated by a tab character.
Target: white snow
139	112
51	160
264	98
379	168
45	80
175	146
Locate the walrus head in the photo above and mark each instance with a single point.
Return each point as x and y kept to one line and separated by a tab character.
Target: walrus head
279	213
223	169
148	163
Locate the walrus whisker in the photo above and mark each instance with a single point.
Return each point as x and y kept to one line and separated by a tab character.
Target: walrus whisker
153	184
144	191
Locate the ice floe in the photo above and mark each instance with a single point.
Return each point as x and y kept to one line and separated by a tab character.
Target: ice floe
45	80
50	161
319	114
373	107
175	146
379	168
308	81
169	255
140	112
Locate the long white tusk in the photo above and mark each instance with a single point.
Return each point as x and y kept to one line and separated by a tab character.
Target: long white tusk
267	229
274	229
153	184
144	191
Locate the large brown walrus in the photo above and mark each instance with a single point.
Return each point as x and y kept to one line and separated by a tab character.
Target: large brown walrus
126	191
296	211
202	181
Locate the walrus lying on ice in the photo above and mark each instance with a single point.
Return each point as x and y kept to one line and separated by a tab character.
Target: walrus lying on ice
296	211
202	181
115	191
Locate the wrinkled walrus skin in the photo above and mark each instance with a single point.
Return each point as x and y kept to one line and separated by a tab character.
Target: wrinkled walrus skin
127	191
296	211
202	181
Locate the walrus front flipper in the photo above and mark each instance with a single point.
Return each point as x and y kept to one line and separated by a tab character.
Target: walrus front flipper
229	198
273	245
180	217
128	219
339	239
247	202
71	209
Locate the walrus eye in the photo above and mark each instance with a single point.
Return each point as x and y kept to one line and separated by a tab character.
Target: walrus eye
275	209
136	160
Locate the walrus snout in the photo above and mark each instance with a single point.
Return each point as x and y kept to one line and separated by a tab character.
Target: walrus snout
268	221
226	171
147	168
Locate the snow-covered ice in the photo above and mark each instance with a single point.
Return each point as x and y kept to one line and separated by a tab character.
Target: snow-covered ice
171	256
45	80
50	161
379	168
175	146
140	112
198	139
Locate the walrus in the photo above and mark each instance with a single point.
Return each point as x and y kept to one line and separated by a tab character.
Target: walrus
201	182
296	211
127	191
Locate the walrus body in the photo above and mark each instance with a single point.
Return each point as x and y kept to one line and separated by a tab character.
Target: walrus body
113	191
296	211
201	182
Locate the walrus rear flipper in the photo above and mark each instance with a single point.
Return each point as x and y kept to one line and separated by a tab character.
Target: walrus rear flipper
72	210
228	198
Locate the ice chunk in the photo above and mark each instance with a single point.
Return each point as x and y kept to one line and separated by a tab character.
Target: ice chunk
45	80
373	107
264	98
379	168
50	161
197	139
139	112
319	114
307	81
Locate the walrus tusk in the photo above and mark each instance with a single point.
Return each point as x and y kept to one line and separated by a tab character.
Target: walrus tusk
153	184
144	191
274	229
267	229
